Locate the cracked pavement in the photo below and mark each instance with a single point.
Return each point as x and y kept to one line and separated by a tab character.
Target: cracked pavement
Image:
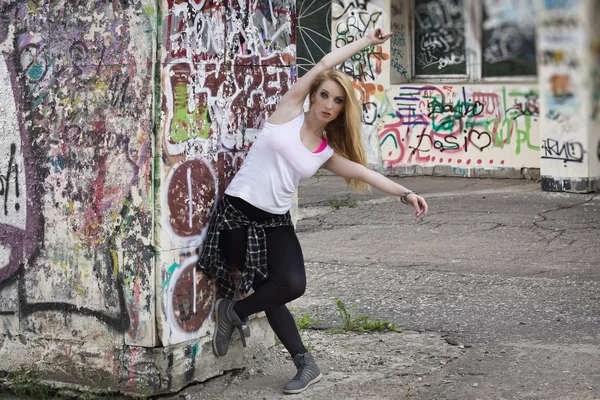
498	265
497	287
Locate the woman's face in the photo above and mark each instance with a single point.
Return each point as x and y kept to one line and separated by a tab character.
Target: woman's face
328	101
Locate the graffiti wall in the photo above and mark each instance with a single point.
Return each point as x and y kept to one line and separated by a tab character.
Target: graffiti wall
76	260
462	127
115	151
465	129
400	43
224	68
508	38
351	21
439	36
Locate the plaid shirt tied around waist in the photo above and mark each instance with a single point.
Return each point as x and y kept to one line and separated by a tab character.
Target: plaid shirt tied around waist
211	259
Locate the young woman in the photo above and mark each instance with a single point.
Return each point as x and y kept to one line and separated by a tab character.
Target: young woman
252	230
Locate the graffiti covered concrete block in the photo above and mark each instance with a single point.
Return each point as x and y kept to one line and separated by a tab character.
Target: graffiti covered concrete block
224	69
78	78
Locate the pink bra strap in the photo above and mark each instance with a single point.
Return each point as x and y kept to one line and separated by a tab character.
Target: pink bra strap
321	147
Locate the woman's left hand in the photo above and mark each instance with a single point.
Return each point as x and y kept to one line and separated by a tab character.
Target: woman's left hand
419	204
377	36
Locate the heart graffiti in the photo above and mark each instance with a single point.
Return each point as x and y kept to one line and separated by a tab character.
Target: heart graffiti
482	141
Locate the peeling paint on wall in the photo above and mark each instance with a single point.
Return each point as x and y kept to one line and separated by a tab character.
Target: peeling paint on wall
77	218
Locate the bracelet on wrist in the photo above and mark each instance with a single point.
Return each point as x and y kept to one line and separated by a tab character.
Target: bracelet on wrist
404	195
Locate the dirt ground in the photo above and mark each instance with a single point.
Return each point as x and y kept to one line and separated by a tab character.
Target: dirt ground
354	366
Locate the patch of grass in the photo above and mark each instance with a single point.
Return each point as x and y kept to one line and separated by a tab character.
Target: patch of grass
26	382
350	322
362	322
337	204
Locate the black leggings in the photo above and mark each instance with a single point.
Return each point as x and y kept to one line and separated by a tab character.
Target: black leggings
286	280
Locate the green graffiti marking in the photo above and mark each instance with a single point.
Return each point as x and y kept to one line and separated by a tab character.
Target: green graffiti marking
392	137
462	112
501	133
169	274
36	71
186	125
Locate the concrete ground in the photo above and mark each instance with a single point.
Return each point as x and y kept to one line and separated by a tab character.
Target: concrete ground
498	288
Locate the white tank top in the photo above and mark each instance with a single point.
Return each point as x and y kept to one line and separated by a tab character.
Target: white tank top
274	166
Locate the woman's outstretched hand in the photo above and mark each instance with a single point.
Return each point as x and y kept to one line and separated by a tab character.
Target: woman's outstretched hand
377	36
419	204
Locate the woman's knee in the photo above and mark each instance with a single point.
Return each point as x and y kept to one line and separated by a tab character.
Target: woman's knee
295	285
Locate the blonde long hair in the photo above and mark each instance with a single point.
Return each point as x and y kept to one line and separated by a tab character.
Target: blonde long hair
344	133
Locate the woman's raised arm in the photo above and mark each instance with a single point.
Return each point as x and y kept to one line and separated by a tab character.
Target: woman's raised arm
291	103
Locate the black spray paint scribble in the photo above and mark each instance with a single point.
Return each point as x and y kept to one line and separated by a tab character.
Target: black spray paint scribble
479	140
566	151
10	174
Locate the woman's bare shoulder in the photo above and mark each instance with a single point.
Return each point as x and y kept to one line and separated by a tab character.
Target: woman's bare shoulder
283	115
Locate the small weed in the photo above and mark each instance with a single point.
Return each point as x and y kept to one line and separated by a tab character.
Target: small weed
305	320
361	323
337	204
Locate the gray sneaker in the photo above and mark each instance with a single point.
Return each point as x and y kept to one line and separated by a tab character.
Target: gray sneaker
308	373
227	319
